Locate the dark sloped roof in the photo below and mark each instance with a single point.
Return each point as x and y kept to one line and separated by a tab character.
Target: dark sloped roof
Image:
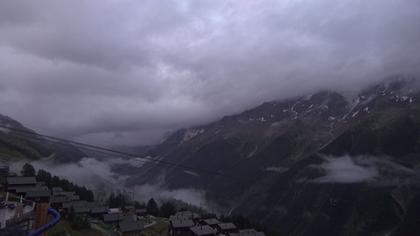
96	204
99	209
182	223
250	232
81	210
226	226
141	211
212	221
130	226
35	194
129	217
187	215
113	217
57	189
25	189
58	199
17	180
203	230
179	217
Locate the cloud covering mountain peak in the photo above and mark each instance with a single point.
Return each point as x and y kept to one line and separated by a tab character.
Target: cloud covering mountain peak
110	71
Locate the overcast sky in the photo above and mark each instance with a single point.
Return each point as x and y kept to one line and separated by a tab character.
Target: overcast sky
126	71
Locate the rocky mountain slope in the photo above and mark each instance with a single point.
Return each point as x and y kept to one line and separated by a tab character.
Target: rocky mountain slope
17	146
315	165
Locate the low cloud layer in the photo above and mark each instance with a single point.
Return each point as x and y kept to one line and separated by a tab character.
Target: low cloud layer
345	170
128	71
191	196
278	169
368	169
103	178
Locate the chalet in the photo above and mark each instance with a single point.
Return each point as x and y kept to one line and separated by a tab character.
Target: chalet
4	172
250	232
23	190
79	203
82	210
58	201
203	230
129	209
130	228
186	215
141	212
112	218
57	193
129	217
180	227
178	217
57	190
114	210
183	215
226	228
196	217
213	222
38	195
74	197
14	182
98	210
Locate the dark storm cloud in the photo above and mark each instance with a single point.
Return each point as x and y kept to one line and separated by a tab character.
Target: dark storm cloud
132	70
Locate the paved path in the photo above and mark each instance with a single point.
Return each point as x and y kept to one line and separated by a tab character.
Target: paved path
102	230
150	225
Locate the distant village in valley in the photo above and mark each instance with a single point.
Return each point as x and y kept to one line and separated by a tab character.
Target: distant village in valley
26	197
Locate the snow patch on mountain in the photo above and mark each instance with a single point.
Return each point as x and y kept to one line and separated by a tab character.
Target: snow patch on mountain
4	130
191	173
191	133
278	169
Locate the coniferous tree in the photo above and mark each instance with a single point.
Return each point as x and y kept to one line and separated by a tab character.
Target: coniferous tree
152	207
45	177
167	209
28	170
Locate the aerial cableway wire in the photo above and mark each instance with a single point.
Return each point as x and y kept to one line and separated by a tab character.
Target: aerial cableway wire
25	136
42	137
108	151
145	159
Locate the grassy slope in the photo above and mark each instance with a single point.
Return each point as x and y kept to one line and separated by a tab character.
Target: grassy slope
159	229
63	228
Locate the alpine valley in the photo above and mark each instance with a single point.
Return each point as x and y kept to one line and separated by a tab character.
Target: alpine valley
321	164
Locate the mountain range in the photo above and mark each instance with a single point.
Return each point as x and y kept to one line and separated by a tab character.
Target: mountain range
321	164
